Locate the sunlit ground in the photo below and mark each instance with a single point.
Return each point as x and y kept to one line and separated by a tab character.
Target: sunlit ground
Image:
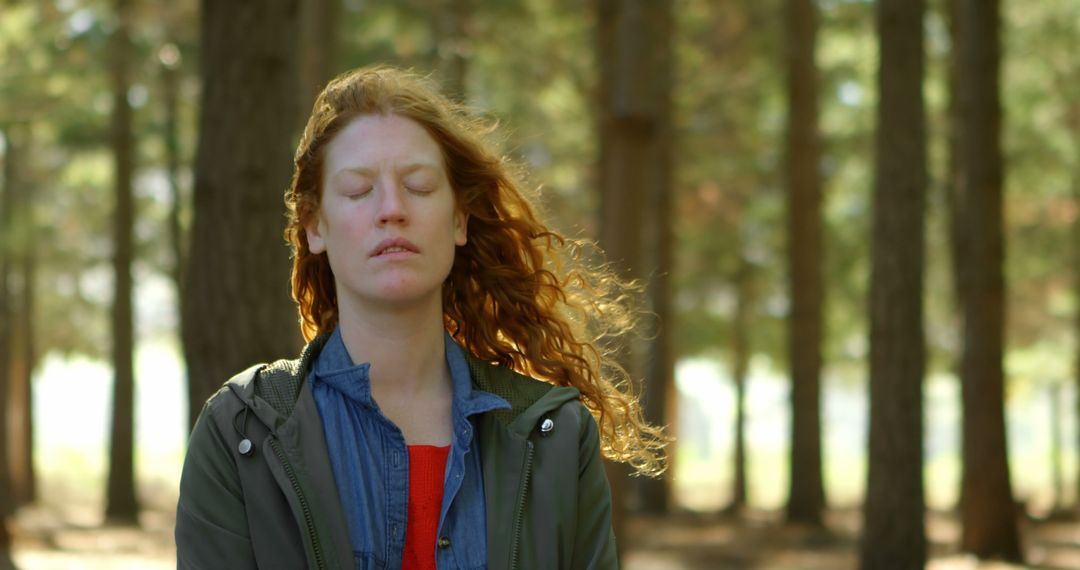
72	399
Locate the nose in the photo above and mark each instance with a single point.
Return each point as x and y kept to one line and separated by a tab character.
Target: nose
392	204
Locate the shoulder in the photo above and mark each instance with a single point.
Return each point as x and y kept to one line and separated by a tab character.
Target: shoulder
528	397
278	382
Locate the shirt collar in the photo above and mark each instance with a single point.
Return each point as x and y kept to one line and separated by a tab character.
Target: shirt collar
468	400
335	367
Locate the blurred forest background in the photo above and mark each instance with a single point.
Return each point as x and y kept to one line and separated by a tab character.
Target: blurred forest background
857	223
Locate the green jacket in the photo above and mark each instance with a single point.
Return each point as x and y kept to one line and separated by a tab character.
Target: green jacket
547	497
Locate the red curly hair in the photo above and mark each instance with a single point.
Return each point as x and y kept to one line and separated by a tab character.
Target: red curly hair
518	295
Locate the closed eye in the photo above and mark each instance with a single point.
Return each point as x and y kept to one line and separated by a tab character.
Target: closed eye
358	193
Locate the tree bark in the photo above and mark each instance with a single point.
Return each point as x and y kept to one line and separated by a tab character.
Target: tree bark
634	175
451	31
319	49
22	357
7	204
806	498
1076	276
237	306
659	380
1053	393
988	513
741	352
121	504
894	534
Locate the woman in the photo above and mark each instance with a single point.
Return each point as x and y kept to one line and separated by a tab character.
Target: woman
452	403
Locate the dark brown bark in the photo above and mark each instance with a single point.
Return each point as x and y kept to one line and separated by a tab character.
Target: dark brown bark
22	353
13	201
170	83
741	352
660	245
121	504
237	306
170	59
319	47
451	31
953	177
7	204
988	513
894	534
1076	274
806	498
634	176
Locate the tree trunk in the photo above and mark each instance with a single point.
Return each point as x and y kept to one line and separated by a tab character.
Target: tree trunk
17	298
237	307
660	245
451	25
7	200
318	49
806	499
22	353
170	58
170	83
1076	277
634	175
741	356
121	504
988	513
1053	394
894	534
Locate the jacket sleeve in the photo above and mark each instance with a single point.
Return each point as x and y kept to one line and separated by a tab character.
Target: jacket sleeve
211	523
595	544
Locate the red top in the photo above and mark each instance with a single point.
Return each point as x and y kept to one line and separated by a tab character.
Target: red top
427	468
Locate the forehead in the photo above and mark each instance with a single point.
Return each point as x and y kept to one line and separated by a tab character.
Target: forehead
376	142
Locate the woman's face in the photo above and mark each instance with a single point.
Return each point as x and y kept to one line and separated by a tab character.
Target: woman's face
387	219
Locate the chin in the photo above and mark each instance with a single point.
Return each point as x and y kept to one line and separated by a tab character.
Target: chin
407	292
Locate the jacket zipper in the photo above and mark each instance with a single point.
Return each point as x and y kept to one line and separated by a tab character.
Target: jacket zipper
519	514
304	507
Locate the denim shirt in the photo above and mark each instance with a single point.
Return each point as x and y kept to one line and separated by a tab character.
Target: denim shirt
370	461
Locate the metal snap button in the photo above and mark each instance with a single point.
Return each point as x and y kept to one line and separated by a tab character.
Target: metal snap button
547	425
444	542
245	446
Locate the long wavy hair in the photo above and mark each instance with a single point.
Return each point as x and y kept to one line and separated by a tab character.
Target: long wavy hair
519	294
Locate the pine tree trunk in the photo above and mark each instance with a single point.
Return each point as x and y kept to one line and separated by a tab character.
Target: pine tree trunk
1076	279
634	176
894	534
237	306
16	339
23	358
988	513
23	361
741	357
7	205
1074	122
121	504
451	25
659	250
1054	418
170	83
170	57
806	499
319	46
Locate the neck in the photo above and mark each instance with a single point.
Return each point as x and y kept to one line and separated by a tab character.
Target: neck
404	346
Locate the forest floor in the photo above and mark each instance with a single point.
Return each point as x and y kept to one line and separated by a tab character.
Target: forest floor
48	539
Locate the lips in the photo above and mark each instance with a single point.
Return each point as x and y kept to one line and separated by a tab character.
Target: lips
392	246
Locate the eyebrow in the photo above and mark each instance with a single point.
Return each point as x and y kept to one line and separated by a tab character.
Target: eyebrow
406	169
